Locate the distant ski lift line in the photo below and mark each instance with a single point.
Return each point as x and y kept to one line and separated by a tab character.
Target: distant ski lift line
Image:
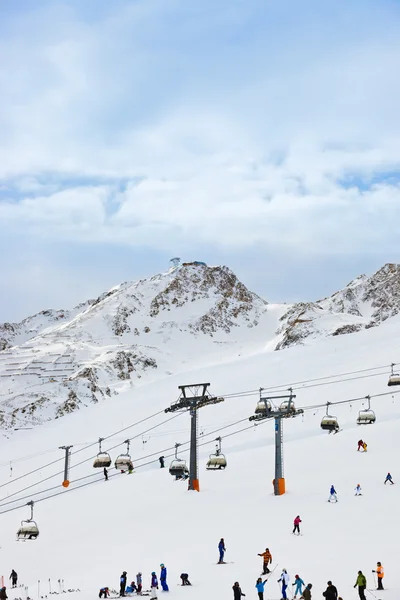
233	395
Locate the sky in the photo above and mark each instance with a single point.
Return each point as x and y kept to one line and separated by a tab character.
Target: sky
258	134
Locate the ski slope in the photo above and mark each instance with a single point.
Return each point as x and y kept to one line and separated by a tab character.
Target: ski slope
88	536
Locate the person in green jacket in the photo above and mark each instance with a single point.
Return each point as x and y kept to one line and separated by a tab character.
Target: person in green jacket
362	584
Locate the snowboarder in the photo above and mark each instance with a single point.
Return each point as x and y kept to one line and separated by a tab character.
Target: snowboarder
267	559
3	593
185	579
330	592
357	490
162	462
362	584
122	584
333	494
284	578
154	585
14	578
296	524
104	592
388	478
260	587
163	578
298	582
307	592
237	592
139	582
360	445
105	471
380	573
222	550
131	588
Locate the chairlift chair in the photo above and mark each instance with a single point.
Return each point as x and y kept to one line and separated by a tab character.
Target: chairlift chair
394	378
216	460
263	407
123	462
28	529
367	416
329	422
288	406
103	459
178	467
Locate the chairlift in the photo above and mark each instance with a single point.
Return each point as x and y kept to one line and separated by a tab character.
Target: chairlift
394	378
288	406
123	462
178	467
28	529
329	423
103	459
367	416
263	407
216	460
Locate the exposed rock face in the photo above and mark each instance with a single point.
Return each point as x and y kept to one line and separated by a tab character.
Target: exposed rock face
364	303
59	361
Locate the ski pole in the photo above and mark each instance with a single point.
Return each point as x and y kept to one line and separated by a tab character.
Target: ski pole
376	585
38	589
49	586
369	591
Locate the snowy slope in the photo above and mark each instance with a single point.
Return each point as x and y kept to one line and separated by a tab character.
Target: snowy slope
135	522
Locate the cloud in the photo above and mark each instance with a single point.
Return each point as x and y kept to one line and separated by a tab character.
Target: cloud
237	126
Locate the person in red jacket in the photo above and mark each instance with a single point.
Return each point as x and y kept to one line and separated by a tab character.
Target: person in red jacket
360	445
296	524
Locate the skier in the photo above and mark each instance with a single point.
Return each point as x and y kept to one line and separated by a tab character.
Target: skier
122	584
162	462
380	573
260	587
298	582
388	478
360	445
296	524
267	559
364	446
3	593
330	592
104	592
284	578
362	584
14	578
154	585
222	550
163	578
131	588
237	592
105	471
139	582
358	490
333	494
307	592
185	579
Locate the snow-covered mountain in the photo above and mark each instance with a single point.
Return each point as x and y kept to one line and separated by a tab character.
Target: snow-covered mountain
193	315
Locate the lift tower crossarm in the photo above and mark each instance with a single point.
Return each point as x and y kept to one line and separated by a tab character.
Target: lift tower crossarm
193	397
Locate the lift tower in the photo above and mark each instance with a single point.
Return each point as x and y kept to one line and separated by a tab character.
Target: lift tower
193	397
286	409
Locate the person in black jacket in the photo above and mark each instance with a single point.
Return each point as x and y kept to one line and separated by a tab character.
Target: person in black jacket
14	578
237	592
122	584
330	592
3	593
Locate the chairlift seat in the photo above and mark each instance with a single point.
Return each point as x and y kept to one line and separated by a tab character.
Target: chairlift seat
365	417
216	462
394	379
260	408
28	531
123	462
102	460
285	407
178	468
329	423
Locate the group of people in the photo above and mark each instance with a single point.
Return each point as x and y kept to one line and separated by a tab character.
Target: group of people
137	586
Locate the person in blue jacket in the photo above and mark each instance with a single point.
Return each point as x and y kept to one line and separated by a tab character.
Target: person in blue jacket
260	587
163	578
333	494
222	550
298	582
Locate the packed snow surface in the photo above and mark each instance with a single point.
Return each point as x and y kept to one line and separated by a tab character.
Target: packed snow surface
89	535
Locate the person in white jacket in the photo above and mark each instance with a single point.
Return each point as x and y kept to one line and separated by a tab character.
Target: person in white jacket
284	579
358	490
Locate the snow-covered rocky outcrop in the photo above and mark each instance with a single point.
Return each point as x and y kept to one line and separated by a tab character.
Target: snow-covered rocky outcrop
56	361
365	302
